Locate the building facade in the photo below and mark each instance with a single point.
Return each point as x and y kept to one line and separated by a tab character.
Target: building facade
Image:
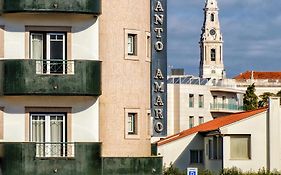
264	81
125	55
74	88
248	141
194	100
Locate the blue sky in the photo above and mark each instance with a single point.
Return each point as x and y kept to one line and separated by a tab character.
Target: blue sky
251	32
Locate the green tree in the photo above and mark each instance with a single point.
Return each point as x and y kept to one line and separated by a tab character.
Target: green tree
250	99
264	98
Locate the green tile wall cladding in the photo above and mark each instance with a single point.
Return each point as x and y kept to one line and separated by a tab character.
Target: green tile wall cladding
132	166
62	6
18	77
19	159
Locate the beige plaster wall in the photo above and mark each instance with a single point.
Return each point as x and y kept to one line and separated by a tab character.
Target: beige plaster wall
83	33
125	82
82	113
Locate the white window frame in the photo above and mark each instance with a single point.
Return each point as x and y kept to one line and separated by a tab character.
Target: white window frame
47	40
134	54
47	135
132	123
132	39
48	49
129	134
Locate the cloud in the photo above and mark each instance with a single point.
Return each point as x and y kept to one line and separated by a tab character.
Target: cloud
251	33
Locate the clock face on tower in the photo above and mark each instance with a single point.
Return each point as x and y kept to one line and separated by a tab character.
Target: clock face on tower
212	31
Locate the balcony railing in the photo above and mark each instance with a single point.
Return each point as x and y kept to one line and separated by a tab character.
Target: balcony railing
60	149
226	107
54	66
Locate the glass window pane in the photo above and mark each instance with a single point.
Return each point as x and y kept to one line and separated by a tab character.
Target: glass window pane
37	46
239	147
191	100
132	123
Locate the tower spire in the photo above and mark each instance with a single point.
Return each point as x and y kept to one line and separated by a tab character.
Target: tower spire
211	43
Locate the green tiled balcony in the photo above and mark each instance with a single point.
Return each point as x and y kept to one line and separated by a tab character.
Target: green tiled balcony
61	6
25	77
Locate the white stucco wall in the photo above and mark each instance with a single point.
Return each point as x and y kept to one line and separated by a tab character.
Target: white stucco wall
84	30
173	150
178	106
85	116
256	127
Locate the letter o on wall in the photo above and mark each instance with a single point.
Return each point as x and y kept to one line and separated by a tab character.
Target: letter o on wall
159	46
158	127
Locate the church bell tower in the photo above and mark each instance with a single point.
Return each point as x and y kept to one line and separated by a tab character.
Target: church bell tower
211	43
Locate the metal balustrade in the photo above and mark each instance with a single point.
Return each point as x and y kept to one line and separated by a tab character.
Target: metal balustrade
59	149
54	66
225	106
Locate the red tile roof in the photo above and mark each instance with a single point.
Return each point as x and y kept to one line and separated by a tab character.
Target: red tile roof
258	75
212	125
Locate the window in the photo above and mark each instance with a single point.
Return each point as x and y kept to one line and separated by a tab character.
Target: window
191	121
215	147
201	101
149	124
224	102
132	129
196	156
201	120
51	130
132	44
240	147
212	17
213	54
48	130
215	101
132	123
1	124
2	41
191	100
50	51
51	46
148	47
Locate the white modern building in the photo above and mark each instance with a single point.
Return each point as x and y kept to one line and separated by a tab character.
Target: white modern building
194	100
248	140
